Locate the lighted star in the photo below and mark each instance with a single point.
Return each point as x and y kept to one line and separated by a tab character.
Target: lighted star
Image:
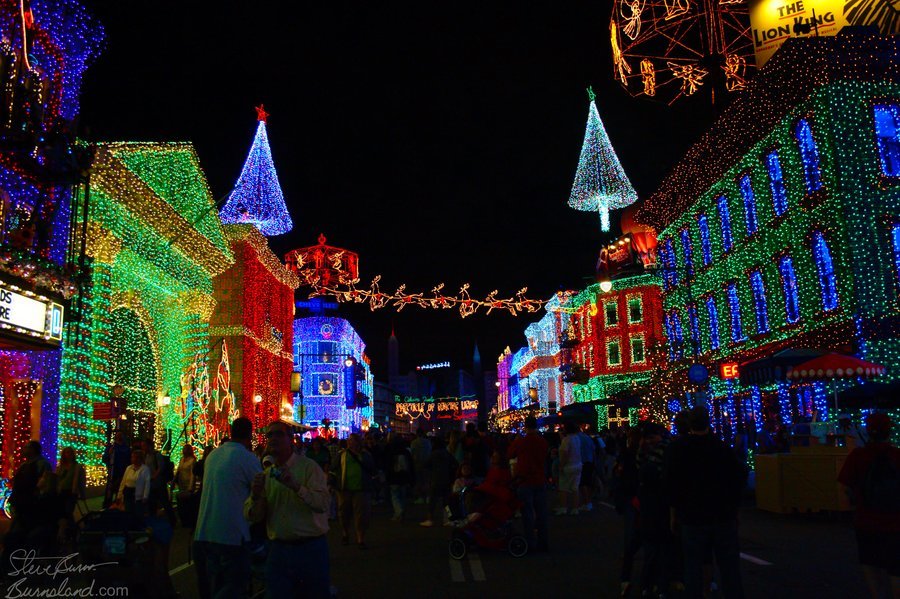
261	114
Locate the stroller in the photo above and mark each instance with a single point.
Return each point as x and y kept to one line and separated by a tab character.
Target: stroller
487	522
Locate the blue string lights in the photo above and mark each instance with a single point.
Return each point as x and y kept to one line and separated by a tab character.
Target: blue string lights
712	313
705	245
887	134
734	310
809	156
687	250
600	183
789	287
825	270
746	185
257	198
760	305
725	221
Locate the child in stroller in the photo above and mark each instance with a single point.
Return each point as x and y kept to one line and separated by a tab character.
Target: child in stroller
491	507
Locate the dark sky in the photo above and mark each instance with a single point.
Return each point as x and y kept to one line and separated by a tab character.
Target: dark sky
437	140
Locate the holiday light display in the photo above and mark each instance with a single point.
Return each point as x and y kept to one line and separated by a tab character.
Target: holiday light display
254	313
813	268
257	198
666	49
332	389
155	244
600	183
542	372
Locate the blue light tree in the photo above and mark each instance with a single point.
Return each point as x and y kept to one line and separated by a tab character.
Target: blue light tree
257	198
600	181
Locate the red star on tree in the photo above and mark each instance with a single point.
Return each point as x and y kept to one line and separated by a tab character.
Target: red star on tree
261	114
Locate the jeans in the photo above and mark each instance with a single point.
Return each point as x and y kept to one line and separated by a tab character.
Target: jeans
298	570
398	499
223	571
720	539
535	514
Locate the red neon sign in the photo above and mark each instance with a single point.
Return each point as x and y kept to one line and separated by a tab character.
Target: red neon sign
729	370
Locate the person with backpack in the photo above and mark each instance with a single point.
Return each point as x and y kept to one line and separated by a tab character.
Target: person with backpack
162	471
398	473
872	477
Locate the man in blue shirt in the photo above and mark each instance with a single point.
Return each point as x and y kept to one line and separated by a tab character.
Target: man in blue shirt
586	484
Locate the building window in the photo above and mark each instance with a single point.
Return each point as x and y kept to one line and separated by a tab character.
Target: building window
749	204
725	219
809	155
678	333
635	310
705	247
760	305
887	133
825	270
694	323
670	276
734	310
670	335
637	350
895	238
776	183
789	286
687	249
611	309
713	314
613	353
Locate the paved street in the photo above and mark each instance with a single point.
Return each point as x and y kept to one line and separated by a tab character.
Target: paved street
784	556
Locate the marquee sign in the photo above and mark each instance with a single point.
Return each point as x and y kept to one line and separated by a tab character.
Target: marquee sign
433	366
27	313
455	408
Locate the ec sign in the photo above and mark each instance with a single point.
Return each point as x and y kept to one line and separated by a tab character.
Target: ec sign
27	313
728	370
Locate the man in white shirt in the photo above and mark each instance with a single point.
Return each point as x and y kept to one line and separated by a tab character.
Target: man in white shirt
569	471
222	534
134	490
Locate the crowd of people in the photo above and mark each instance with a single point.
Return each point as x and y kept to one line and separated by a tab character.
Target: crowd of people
263	513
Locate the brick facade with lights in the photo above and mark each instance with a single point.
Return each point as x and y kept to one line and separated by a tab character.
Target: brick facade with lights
780	228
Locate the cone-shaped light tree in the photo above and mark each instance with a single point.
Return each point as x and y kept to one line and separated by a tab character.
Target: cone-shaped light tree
257	198
600	182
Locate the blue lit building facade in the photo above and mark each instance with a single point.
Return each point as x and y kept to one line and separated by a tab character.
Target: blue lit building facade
334	397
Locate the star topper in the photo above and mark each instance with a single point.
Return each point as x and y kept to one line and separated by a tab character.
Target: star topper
261	114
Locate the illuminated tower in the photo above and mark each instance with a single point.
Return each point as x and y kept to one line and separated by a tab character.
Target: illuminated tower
393	356
257	198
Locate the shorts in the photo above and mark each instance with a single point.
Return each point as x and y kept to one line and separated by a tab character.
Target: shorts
569	477
879	550
587	475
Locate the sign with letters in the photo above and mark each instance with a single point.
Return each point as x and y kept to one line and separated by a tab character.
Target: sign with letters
28	313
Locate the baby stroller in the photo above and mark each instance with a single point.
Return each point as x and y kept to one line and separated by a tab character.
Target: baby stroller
487	522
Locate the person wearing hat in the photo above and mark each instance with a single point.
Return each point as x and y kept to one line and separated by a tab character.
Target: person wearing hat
872	477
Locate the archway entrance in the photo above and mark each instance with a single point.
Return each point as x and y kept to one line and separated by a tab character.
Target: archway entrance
132	365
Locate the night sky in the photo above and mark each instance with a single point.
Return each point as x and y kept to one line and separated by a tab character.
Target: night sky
439	141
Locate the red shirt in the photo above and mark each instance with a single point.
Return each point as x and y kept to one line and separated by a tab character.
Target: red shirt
530	453
853	474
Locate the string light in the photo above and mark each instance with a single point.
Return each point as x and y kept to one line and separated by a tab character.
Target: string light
257	198
600	181
746	185
725	222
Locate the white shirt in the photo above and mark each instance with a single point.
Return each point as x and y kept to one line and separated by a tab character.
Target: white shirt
227	475
138	479
572	448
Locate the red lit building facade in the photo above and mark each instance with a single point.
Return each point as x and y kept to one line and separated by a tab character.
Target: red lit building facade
254	317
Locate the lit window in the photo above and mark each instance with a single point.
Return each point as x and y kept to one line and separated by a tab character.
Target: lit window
705	247
635	310
687	249
611	309
670	276
713	314
725	220
637	350
670	335
825	270
887	132
776	183
760	305
678	334
734	310
694	323
809	155
613	353
789	286
749	204
895	237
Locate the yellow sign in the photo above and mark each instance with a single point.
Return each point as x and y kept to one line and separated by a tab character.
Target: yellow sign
774	21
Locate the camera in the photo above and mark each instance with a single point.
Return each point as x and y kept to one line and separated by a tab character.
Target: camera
276	473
